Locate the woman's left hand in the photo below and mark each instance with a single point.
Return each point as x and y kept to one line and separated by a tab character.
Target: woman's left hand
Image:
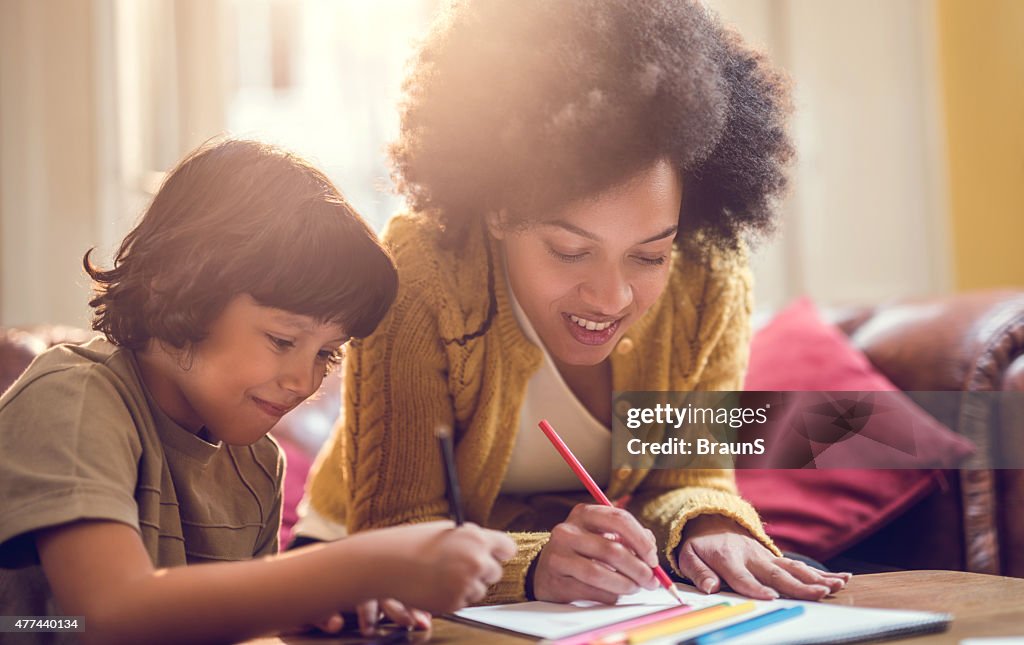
715	548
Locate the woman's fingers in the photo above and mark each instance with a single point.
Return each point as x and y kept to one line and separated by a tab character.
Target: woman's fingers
734	568
696	570
572	589
773	574
811	576
618	570
606	519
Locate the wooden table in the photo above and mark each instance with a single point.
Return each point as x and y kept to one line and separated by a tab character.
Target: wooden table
982	605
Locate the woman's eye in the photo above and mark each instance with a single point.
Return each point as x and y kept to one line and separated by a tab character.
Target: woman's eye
280	343
658	261
566	257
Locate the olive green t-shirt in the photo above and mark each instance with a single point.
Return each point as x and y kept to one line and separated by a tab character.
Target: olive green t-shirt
80	438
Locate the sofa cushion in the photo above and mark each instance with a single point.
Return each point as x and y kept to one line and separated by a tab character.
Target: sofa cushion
821	513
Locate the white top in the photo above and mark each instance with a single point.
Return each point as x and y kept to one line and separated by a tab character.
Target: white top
535	466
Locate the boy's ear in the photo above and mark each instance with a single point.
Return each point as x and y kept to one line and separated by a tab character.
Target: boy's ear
496	223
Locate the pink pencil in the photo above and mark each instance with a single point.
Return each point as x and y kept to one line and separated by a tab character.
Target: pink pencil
598	494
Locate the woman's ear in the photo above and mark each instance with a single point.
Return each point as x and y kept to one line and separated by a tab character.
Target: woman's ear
496	224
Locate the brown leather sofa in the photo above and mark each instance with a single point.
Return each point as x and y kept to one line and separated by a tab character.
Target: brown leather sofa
970	342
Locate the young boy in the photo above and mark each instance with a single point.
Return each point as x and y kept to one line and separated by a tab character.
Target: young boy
147	449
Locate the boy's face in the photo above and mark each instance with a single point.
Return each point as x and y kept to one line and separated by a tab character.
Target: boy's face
255	365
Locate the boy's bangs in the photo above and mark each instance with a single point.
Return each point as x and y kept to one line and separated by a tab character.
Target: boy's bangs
324	263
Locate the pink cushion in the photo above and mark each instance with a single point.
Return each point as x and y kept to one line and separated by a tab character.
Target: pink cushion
298	463
821	513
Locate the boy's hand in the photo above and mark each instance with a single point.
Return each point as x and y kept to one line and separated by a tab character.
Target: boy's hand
715	547
369	614
597	553
445	568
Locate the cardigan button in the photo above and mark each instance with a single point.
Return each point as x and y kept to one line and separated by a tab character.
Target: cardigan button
625	345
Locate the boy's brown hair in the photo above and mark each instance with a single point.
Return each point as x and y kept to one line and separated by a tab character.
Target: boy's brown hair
240	217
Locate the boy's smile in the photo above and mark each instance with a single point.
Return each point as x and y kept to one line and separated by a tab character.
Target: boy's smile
255	365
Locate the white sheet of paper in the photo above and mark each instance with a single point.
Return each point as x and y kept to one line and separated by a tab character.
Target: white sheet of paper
819	622
555	620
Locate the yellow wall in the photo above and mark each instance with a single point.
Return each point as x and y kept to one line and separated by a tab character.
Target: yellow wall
982	66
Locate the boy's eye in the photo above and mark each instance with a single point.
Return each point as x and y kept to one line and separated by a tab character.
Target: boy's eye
280	343
332	356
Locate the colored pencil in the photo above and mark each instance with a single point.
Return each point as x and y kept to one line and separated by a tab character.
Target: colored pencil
746	626
598	495
593	635
444	436
679	624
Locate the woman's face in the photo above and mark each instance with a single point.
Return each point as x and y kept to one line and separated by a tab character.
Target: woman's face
585	275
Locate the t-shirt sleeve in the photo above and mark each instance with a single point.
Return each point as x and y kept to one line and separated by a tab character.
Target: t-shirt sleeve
269	542
69	450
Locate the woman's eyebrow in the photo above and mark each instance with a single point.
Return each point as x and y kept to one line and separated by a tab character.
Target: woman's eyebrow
671	230
572	228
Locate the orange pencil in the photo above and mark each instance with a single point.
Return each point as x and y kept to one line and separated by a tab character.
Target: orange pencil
599	495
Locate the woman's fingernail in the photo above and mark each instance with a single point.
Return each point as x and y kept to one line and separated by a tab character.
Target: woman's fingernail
773	594
707	584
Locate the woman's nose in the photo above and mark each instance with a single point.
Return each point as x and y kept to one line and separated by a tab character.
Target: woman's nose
608	293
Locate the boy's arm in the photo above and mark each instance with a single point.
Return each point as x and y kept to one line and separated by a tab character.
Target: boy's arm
100	570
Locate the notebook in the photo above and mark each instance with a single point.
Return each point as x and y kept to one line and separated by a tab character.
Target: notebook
820	623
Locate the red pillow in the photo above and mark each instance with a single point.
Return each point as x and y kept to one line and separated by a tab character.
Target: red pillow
821	513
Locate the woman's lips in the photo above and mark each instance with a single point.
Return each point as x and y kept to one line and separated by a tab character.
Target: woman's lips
590	336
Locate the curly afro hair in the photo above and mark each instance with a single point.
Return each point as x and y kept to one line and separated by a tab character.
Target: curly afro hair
529	105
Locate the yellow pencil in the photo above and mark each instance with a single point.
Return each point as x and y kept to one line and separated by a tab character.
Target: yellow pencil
678	624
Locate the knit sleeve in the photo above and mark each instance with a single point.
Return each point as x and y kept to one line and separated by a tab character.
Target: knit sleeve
667	498
383	465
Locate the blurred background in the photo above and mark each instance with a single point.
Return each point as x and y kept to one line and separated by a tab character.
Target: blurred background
909	126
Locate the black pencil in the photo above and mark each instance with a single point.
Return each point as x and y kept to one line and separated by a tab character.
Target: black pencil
444	435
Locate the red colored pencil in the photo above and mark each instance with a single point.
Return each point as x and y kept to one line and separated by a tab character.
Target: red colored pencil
598	495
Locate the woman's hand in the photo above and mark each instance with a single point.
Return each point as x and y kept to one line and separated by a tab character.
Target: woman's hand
597	553
715	548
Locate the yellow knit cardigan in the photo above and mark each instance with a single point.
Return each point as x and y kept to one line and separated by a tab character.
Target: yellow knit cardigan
435	359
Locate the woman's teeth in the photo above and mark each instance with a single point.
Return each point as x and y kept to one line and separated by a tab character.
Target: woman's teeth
590	324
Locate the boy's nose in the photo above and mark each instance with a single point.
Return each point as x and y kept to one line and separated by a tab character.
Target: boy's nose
300	379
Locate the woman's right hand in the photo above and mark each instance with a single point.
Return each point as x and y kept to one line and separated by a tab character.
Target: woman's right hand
448	567
598	553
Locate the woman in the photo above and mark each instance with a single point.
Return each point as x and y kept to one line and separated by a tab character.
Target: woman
583	176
